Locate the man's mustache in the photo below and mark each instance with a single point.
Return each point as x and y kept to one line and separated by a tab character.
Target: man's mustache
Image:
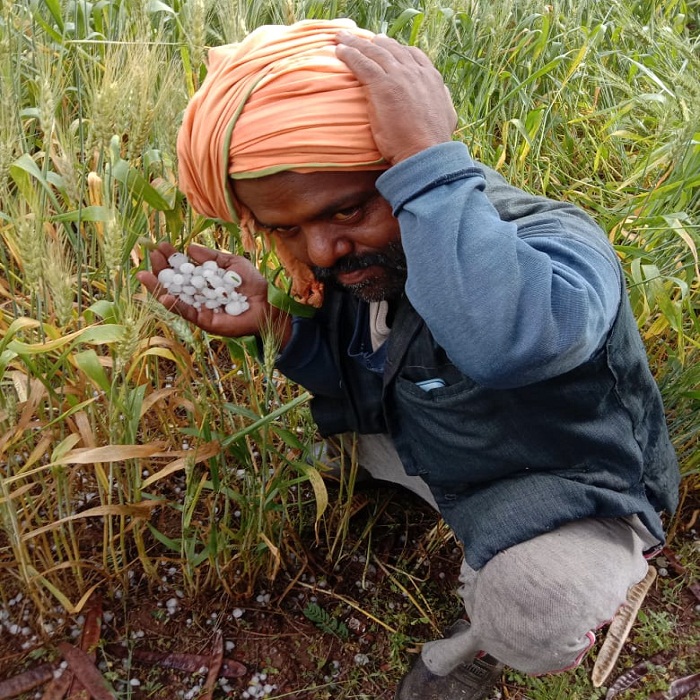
352	263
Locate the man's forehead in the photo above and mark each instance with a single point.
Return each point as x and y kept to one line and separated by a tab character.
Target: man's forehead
309	190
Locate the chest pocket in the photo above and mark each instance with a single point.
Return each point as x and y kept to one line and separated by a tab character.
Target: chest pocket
437	415
459	434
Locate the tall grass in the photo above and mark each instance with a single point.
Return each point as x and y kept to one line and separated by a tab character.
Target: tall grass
129	440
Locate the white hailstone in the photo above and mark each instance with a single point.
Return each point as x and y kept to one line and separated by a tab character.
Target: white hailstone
176	260
233	278
165	276
234	308
205	285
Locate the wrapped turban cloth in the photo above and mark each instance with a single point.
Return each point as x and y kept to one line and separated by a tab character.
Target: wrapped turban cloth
279	100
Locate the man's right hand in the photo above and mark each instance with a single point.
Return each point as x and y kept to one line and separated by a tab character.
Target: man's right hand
409	107
261	317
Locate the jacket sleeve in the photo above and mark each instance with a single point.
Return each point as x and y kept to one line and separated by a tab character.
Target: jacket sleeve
516	288
348	399
307	360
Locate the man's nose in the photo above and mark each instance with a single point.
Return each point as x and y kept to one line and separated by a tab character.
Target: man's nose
325	246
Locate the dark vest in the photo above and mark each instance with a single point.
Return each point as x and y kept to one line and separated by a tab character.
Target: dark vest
506	465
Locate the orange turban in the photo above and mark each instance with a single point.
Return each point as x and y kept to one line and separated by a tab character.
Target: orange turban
278	100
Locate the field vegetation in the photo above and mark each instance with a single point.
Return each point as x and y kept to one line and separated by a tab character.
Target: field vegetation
132	444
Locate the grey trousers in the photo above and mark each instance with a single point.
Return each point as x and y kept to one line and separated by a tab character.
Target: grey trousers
535	606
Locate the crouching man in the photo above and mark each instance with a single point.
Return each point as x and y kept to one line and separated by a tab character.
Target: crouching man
478	339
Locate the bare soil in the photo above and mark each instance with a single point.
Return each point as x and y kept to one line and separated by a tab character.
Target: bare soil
348	631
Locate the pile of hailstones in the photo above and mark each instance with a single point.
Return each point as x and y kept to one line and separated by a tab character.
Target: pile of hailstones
203	286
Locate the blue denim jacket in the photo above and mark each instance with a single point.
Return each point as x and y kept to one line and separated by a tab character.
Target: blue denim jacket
547	410
505	465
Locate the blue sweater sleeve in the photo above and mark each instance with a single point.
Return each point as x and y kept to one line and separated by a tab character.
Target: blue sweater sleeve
516	288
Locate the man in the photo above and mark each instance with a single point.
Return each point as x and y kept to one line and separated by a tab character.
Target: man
479	339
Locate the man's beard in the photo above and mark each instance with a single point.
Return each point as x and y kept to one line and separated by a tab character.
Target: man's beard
387	285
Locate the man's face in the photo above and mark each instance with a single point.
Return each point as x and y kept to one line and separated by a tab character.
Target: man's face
337	223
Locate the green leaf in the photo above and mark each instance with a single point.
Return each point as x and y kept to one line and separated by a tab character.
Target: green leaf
5	358
56	36
173	545
25	166
65	446
17	325
54	7
138	186
264	420
157	6
95	335
101	308
276	297
93	213
289	438
99	335
88	361
402	20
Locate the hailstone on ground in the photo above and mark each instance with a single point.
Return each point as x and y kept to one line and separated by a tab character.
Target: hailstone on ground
203	286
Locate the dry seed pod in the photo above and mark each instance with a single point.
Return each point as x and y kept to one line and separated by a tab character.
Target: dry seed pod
620	628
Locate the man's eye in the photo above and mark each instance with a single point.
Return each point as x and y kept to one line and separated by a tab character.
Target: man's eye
346	214
282	231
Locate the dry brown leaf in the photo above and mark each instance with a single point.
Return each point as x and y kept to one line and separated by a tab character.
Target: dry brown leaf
89	639
111	453
215	664
632	675
17	493
24	682
85	428
180	661
85	670
36	394
154	397
620	628
57	689
39	451
680	688
190	457
135	510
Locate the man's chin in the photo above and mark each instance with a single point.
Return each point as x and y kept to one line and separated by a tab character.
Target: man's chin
370	290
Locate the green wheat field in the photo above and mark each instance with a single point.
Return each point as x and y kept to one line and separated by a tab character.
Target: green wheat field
129	440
